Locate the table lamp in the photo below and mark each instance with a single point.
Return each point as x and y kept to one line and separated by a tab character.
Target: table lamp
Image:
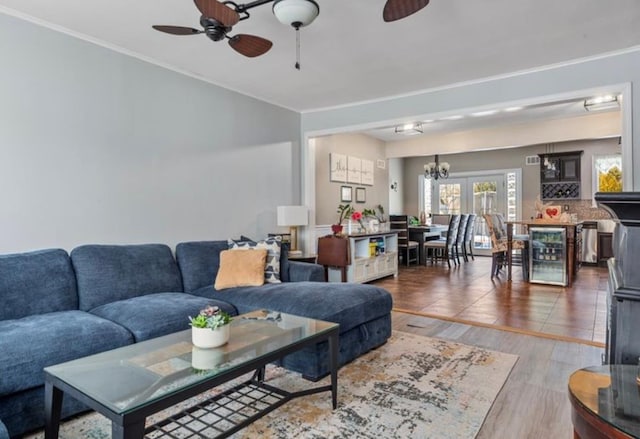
293	216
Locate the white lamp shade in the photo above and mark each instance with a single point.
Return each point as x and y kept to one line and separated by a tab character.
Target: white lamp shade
292	216
302	12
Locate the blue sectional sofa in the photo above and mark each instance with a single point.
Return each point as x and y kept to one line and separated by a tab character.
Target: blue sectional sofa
57	307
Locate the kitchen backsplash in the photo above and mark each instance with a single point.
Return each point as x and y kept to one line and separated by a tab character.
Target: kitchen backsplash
585	210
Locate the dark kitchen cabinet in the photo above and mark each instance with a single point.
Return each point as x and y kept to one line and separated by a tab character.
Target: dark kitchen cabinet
560	175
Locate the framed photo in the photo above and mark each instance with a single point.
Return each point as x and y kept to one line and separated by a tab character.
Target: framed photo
345	194
361	195
367	172
338	166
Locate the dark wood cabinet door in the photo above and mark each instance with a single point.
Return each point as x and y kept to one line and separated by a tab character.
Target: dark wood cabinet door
570	168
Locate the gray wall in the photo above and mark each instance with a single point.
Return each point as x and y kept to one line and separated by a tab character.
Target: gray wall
328	192
618	69
509	159
99	147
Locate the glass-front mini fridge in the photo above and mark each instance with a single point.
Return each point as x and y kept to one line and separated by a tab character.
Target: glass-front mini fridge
548	255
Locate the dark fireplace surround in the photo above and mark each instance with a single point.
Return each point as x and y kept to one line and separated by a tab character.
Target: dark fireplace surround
623	300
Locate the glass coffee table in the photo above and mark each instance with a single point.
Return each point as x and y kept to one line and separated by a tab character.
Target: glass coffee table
129	384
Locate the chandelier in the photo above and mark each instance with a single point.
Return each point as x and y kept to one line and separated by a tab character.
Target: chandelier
436	170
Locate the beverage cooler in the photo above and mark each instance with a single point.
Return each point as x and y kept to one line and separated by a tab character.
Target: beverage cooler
548	255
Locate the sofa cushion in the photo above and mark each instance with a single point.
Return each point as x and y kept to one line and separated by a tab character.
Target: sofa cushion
158	314
241	268
108	273
199	262
32	343
4	434
35	283
272	263
347	304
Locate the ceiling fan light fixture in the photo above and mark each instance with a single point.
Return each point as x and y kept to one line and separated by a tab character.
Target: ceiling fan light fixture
296	13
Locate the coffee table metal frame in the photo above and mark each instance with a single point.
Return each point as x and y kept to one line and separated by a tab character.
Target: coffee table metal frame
131	424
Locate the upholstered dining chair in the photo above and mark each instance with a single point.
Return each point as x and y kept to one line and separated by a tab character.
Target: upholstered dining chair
469	233
444	248
499	247
460	236
406	248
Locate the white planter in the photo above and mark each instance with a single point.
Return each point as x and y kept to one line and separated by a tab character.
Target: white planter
209	338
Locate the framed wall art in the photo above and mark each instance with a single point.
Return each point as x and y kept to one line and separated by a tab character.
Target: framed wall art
361	195
338	167
366	172
354	170
345	194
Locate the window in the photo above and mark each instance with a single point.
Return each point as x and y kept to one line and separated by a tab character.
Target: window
607	173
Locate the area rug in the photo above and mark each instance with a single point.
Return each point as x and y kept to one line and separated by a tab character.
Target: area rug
411	387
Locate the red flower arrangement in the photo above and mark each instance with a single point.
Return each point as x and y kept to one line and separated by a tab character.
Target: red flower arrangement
357	216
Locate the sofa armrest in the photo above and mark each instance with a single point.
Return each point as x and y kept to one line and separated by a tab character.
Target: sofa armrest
304	271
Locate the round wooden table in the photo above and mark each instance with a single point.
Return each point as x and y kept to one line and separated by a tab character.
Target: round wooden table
605	402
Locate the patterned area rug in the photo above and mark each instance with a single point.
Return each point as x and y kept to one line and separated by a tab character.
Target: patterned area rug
412	387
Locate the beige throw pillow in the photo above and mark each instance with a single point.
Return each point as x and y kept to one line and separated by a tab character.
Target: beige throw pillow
240	268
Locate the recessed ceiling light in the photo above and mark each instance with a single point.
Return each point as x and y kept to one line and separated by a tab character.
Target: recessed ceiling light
456	117
513	109
484	113
409	129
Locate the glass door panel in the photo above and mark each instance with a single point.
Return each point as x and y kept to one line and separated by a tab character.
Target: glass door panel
488	198
482	194
450	196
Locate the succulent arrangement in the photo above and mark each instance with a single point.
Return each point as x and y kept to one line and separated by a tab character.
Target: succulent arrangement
211	317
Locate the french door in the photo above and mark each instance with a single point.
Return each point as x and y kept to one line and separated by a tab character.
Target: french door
479	194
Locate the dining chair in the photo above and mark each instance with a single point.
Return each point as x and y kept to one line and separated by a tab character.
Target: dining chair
499	247
333	251
444	247
469	234
460	236
400	224
518	258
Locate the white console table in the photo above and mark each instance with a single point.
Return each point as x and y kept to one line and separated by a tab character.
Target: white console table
364	267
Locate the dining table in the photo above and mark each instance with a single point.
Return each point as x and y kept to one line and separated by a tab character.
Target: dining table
423	233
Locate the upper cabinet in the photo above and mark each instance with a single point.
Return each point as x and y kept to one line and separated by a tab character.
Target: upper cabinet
560	175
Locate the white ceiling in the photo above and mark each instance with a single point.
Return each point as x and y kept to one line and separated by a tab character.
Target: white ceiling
349	54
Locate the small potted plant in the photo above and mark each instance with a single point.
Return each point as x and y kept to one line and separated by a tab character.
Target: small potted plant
344	210
210	328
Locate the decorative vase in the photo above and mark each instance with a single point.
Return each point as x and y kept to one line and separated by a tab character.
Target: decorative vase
209	338
336	228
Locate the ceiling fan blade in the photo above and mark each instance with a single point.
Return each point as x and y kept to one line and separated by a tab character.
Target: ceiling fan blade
250	45
218	11
177	30
397	9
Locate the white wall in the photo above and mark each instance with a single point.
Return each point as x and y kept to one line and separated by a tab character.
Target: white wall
97	147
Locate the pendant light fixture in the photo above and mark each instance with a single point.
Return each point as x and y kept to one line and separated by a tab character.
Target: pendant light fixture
296	13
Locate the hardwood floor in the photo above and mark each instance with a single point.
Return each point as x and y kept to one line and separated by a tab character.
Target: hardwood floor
468	294
534	401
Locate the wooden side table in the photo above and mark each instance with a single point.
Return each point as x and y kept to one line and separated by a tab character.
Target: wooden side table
605	402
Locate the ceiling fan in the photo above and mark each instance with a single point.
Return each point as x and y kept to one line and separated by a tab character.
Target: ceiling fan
219	17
